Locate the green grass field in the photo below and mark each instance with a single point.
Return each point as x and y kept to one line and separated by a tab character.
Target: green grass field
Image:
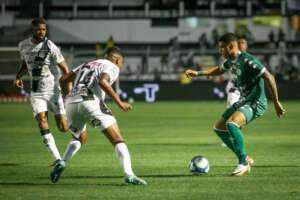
162	138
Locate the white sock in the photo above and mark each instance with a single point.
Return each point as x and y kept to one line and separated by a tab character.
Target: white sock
49	141
72	148
123	154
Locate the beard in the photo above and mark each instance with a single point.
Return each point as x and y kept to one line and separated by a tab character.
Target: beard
38	38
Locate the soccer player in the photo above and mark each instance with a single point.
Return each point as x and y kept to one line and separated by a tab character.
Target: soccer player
233	94
40	58
92	81
248	75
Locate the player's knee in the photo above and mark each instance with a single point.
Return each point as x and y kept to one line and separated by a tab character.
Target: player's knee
118	141
63	127
43	123
83	138
220	126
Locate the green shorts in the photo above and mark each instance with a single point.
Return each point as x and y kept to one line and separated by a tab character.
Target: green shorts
249	109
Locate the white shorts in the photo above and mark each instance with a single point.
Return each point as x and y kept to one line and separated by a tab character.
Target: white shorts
96	114
233	94
232	97
44	102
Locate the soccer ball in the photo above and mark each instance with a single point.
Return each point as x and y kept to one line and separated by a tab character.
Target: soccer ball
199	165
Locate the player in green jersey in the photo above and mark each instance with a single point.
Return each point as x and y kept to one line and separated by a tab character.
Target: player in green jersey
248	75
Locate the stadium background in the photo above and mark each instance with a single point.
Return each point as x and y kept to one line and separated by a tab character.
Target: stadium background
160	38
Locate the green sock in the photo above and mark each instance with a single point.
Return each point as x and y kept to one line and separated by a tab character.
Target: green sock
226	138
238	144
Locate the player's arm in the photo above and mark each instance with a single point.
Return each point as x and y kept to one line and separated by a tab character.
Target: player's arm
23	70
269	78
65	81
104	84
213	71
65	69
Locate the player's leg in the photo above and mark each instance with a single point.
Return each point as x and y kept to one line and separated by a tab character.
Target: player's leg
78	129
114	136
221	129
61	122
40	111
74	146
56	105
233	96
233	125
77	122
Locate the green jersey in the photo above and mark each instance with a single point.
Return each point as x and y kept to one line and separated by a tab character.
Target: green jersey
247	71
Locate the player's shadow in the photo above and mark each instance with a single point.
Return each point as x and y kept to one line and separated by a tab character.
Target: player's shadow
176	144
144	176
9	164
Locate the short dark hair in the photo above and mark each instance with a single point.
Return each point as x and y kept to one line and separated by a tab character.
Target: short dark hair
109	52
242	37
227	38
37	21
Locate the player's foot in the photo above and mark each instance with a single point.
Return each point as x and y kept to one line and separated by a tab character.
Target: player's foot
241	170
223	144
59	167
133	179
54	163
249	160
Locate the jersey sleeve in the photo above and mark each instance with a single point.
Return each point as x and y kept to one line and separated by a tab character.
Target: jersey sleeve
56	53
113	72
225	65
256	67
20	51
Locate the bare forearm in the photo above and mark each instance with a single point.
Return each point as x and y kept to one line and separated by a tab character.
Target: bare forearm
23	70
214	71
63	67
110	91
67	85
272	85
65	81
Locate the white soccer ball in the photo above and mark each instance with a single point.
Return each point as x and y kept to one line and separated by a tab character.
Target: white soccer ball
199	165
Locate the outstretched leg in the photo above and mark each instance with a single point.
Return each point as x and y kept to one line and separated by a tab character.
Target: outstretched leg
114	135
72	148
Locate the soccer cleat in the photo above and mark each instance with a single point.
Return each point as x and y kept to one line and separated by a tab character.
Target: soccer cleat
54	163
223	144
241	170
249	160
133	179
59	167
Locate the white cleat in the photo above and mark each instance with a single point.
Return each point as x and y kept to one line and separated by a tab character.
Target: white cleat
241	170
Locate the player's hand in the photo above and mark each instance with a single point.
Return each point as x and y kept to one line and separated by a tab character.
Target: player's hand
125	106
191	73
19	83
279	109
